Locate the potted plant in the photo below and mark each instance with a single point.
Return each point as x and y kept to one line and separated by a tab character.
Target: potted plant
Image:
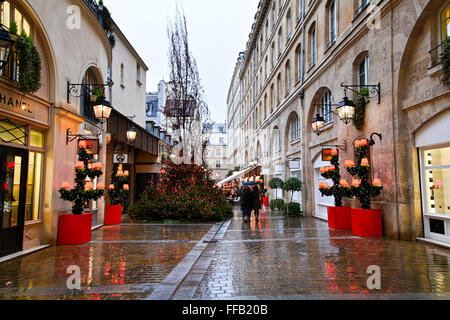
118	192
277	204
339	217
366	222
276	183
75	228
95	94
293	209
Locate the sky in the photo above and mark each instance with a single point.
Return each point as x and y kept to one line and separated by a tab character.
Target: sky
218	31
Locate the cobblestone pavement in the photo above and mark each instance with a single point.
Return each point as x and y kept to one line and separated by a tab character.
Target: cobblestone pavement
278	258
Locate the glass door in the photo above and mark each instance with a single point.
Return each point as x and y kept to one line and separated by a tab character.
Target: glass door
13	179
436	192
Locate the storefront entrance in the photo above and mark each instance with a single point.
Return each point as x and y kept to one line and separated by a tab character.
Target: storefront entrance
13	179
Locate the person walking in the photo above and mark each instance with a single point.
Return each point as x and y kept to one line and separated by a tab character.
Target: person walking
247	203
256	202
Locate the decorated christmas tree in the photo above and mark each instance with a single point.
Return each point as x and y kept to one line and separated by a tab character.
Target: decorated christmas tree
119	190
340	187
83	192
362	188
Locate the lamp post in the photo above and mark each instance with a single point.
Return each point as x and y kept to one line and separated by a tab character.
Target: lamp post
6	44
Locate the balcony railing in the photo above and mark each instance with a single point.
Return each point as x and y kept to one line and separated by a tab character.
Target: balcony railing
435	54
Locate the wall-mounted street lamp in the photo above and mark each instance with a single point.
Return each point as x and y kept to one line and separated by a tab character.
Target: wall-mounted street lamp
102	109
345	111
131	134
6	44
73	91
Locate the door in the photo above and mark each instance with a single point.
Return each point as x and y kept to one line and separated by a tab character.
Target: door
13	178
321	203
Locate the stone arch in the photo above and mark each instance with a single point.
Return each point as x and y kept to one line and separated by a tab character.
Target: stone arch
313	109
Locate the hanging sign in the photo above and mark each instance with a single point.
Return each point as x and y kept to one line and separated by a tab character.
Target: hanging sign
91	145
120	158
294	165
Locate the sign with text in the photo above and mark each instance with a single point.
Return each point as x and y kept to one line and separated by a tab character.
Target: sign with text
294	165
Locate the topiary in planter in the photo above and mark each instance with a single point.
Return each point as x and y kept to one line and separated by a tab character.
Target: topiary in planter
118	194
277	204
276	183
83	191
293	209
445	60
334	173
362	189
292	185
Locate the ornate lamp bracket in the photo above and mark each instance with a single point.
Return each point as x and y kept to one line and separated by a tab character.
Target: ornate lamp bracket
74	89
375	89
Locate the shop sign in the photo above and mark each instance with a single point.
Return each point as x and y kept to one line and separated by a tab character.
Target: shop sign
91	145
15	104
279	169
120	158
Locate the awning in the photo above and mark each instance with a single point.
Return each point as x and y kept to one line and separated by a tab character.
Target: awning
235	176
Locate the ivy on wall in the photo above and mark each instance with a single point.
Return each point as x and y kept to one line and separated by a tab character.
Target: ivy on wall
445	59
360	108
29	64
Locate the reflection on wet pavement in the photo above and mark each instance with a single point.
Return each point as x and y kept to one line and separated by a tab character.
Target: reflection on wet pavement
109	270
276	258
286	257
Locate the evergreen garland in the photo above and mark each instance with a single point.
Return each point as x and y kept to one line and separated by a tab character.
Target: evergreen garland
365	191
336	190
118	195
29	64
79	195
360	112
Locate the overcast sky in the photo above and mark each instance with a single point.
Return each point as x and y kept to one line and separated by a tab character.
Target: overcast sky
218	31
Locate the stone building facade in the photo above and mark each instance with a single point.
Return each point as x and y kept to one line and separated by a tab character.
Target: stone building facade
311	48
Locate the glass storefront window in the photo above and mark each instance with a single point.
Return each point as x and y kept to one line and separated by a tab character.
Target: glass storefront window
34	186
12	133
437	157
437	180
6	14
36	138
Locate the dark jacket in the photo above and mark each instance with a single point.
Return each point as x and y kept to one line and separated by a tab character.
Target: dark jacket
247	199
256	200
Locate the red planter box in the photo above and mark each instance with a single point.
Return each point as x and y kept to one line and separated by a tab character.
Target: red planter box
113	215
367	223
340	218
265	201
74	229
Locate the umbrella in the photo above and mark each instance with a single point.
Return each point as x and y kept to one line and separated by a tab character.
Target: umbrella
250	184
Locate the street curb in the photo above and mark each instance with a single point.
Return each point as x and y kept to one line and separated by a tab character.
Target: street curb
170	284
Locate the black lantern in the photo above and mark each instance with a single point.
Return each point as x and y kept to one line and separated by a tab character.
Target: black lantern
6	44
318	124
131	134
346	110
102	109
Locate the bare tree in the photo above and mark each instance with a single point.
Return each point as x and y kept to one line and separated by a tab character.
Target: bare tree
186	107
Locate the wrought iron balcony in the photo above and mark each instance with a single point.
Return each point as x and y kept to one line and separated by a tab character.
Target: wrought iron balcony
436	54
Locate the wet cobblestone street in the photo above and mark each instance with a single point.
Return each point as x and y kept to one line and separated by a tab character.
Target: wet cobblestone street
278	258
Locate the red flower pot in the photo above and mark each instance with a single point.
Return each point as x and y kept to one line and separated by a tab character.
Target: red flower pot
367	223
265	201
340	218
74	229
113	215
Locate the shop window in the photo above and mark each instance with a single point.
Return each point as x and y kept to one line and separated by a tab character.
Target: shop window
36	138
437	180
33	202
437	226
13	133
